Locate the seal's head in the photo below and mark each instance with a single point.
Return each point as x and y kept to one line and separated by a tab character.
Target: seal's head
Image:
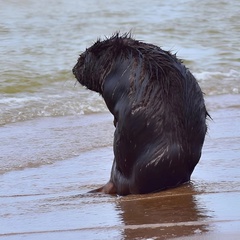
96	62
87	70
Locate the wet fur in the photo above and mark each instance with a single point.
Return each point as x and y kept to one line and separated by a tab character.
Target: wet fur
158	108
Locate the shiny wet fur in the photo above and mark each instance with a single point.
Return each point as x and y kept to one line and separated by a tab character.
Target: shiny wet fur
158	108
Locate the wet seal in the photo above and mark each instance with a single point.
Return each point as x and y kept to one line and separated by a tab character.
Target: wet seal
158	108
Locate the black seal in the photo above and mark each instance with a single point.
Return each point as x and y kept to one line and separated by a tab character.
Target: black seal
158	108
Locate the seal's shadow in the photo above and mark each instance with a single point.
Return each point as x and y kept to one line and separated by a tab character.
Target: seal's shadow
172	213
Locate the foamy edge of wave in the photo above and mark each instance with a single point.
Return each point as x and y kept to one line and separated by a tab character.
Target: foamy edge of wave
15	109
229	82
66	102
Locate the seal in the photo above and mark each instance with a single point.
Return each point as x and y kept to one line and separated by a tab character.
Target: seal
158	108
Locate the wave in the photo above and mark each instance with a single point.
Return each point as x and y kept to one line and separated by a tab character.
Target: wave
217	83
64	98
21	108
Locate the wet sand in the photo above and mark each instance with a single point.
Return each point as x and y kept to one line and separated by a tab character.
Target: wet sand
49	199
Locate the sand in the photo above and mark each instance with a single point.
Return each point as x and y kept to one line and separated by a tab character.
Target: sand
47	198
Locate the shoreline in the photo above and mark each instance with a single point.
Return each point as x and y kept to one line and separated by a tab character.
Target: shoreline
43	141
50	200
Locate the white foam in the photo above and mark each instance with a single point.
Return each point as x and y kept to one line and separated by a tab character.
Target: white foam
232	74
63	102
23	107
217	83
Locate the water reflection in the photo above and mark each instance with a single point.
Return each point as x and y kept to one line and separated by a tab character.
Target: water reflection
176	212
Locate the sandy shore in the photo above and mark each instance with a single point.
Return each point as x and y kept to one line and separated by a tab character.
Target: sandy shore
46	198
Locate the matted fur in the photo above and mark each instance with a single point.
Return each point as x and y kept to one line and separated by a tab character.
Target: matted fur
158	110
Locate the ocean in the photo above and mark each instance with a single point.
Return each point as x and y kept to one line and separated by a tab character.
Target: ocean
41	41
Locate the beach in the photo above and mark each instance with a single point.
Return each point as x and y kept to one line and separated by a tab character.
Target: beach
56	137
51	201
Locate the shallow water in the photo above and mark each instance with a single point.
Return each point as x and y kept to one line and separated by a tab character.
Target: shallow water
51	200
56	137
